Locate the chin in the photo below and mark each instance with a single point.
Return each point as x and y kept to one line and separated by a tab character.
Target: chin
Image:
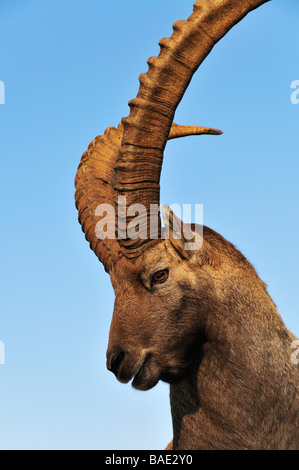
144	383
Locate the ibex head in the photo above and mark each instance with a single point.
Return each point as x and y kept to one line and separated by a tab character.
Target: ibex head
157	317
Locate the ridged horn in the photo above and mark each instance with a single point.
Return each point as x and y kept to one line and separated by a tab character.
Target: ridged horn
146	129
94	184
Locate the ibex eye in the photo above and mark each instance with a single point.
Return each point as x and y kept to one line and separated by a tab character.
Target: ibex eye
160	276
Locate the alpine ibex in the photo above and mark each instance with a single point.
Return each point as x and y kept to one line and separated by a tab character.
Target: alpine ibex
200	319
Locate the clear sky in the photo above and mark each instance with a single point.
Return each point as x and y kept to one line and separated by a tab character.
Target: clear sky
69	69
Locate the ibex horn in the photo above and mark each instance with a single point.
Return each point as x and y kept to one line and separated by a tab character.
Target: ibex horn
147	127
127	161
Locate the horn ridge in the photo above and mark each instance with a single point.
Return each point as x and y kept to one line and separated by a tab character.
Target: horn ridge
94	184
161	88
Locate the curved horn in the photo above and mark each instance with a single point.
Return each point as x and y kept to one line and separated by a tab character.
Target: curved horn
147	127
127	161
94	186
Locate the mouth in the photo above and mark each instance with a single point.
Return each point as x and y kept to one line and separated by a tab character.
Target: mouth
140	374
144	373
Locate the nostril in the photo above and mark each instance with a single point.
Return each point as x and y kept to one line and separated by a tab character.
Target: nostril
116	361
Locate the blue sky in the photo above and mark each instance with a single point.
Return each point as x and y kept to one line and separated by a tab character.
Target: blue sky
69	69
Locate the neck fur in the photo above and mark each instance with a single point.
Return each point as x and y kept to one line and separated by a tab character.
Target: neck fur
241	392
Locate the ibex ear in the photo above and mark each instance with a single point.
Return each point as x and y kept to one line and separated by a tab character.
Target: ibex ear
183	239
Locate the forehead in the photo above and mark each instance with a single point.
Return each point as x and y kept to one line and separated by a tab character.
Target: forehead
162	252
156	256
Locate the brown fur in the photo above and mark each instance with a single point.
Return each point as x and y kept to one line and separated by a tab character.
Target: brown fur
213	332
